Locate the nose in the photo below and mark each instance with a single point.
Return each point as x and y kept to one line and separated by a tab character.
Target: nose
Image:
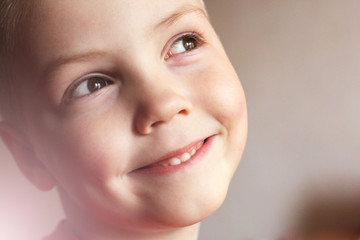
159	105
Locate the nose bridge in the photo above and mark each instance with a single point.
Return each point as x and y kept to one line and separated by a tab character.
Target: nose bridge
160	100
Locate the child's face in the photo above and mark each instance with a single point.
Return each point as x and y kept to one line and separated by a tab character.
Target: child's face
113	88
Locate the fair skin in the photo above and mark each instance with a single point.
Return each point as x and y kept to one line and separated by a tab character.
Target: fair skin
108	149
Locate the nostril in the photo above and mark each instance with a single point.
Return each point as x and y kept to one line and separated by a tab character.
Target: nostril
159	110
154	124
184	111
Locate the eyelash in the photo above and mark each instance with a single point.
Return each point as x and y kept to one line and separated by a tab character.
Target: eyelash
198	40
106	81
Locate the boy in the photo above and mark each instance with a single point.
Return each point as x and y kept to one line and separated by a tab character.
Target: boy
131	109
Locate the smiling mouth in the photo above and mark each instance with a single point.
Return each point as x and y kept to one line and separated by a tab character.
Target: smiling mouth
178	159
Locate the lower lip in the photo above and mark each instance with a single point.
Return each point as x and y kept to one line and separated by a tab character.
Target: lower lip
197	157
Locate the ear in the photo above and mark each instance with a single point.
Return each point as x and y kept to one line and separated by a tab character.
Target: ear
25	157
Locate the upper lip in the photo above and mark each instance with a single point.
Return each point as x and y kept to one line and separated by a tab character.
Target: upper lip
174	153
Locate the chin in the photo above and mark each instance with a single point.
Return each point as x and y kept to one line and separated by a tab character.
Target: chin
189	211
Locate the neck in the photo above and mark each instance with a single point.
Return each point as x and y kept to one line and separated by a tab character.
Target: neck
98	233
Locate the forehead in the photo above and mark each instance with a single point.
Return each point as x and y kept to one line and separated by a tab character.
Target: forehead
57	26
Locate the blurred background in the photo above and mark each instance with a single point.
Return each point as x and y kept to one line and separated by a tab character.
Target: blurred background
299	63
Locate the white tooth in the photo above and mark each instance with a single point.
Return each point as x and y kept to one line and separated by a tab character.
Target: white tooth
174	161
185	156
199	145
193	151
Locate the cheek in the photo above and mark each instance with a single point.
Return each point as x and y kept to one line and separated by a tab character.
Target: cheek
220	93
99	144
80	147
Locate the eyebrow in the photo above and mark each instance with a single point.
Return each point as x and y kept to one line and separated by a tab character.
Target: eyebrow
85	56
80	57
179	13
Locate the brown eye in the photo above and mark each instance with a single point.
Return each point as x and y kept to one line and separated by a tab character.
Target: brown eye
90	85
185	43
189	43
95	83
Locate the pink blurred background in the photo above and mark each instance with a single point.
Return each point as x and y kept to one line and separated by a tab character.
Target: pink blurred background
299	62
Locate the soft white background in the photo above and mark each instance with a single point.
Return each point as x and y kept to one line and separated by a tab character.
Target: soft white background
299	62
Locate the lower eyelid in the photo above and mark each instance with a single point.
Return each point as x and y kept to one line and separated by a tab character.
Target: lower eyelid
199	43
89	98
69	92
197	36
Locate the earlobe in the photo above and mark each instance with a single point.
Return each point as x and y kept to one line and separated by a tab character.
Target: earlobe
25	157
